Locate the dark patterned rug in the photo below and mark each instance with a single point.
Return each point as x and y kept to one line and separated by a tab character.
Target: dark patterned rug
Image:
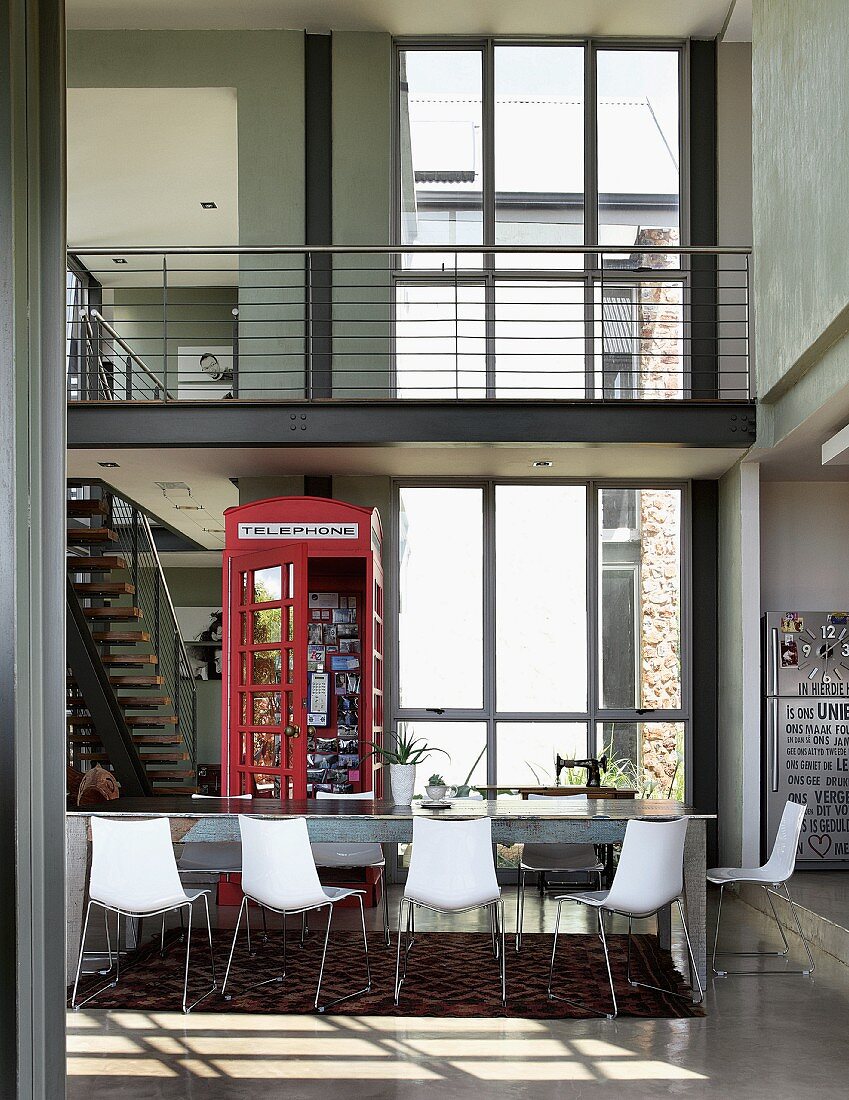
450	974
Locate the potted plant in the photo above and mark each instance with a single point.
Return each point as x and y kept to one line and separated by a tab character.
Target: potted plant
436	787
402	759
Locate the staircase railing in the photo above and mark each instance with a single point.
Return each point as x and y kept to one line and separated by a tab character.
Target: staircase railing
136	545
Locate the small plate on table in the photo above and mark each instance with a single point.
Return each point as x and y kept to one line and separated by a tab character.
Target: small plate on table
435	804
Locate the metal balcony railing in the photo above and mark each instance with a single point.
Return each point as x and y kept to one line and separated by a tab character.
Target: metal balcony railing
641	322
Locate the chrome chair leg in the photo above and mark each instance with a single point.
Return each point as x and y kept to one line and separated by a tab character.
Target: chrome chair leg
398	978
187	1008
251	952
520	907
359	992
384	890
764	954
232	949
503	953
691	959
577	1004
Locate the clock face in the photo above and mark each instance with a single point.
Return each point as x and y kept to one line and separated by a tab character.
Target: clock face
825	656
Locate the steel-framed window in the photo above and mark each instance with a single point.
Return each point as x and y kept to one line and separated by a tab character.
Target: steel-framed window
587	378
594	717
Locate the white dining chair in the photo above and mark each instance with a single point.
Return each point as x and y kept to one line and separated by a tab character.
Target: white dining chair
279	873
649	877
452	870
356	856
772	877
563	859
134	874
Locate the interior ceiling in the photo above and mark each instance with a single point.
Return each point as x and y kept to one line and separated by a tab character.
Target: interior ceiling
142	160
674	18
197	511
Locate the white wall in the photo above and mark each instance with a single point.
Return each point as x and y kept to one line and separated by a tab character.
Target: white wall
804	546
734	143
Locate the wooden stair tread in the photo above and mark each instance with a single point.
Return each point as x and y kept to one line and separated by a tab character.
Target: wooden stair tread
91	564
169	773
86	507
144	700
142	739
151	719
132	614
119	637
124	659
80	535
159	757
135	681
84	738
104	588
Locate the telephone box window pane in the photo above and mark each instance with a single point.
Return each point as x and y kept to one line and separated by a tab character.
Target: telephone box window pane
645	756
266	786
267	667
290	624
267	584
267	750
640	598
527	753
266	709
540	594
243	708
440	625
266	626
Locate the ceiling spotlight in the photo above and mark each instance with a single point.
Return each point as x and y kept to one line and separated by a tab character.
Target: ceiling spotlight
209	206
109	465
118	260
542	464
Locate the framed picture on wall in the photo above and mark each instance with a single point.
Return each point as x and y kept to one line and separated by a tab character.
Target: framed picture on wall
205	661
200	624
205	372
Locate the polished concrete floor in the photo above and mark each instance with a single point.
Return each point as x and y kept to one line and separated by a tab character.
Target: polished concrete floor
777	1037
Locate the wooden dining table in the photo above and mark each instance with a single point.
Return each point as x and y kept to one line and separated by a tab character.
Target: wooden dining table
514	821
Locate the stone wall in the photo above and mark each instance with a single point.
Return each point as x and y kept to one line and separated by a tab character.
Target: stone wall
659	322
660	634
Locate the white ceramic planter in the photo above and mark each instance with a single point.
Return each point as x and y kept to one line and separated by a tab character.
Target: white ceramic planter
402	778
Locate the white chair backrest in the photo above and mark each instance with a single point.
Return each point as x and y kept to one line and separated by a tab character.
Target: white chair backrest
452	863
132	864
363	795
278	868
651	866
782	858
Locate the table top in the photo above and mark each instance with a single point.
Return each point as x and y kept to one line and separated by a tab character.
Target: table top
502	809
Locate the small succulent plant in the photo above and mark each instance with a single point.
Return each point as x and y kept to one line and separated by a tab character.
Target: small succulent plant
436	780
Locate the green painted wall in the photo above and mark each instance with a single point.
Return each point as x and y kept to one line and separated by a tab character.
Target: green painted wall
267	70
801	231
201	588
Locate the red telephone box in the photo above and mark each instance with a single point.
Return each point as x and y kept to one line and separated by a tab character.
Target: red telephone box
302	678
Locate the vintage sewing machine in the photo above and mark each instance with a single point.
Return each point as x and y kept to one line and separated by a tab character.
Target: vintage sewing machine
593	765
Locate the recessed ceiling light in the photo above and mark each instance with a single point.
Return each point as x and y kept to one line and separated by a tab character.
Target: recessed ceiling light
118	260
109	465
542	463
209	205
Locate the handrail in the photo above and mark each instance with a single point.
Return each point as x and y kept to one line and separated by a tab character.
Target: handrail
389	249
100	371
122	343
146	525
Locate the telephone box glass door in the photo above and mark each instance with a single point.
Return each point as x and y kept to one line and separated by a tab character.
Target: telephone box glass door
266	680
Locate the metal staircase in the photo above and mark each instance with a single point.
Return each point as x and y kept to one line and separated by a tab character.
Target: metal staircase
131	698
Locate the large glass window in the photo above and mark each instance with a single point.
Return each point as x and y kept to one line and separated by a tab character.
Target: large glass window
440	614
540	597
507	145
638	97
501	649
539	146
440	147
